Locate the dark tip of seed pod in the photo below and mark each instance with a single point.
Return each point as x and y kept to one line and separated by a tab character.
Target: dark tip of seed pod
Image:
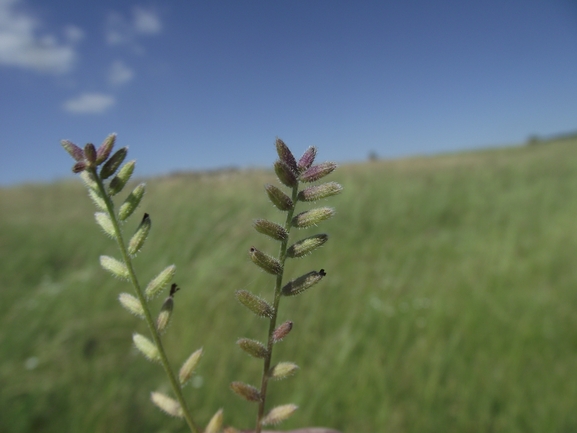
322	272
145	216
174	288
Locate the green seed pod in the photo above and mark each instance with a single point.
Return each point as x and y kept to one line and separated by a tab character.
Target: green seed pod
73	150
160	282
89	180
306	246
90	153
274	230
255	304
282	331
215	423
314	193
279	198
252	347
303	283
266	262
167	404
248	392
105	148
307	159
115	267
140	236
279	414
105	224
312	217
165	315
110	166
286	155
97	199
146	347
189	366
283	370
119	181
132	304
285	173
317	172
131	202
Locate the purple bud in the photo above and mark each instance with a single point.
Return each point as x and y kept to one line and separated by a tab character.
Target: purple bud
317	172
279	198
307	159
105	148
74	151
79	167
90	153
286	155
285	174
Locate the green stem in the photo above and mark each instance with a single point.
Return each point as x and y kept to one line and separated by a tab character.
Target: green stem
272	324
147	315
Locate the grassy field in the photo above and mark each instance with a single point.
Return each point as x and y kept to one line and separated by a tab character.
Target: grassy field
450	303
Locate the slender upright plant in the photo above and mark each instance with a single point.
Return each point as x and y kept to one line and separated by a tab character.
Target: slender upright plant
292	174
104	178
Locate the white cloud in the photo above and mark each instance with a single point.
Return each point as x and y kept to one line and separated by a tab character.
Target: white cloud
119	73
120	30
146	21
89	103
22	45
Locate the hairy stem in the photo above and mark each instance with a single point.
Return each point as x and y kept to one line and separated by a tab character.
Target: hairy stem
147	315
272	324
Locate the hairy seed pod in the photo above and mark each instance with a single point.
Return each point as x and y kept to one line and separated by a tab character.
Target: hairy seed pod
279	414
215	423
159	282
73	150
255	304
265	262
132	304
283	370
90	153
115	267
89	180
285	174
317	192
119	181
110	166
165	315
273	230
303	283
189	366
105	148
167	404
105	224
282	331
307	159
139	236
306	246
317	172
248	392
279	198
312	217
252	347
97	199
286	155
131	202
146	347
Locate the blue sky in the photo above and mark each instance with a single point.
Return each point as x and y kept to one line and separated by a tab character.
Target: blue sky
191	85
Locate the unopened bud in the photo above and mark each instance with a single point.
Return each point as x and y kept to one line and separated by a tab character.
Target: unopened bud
317	172
88	177
279	414
274	230
165	315
146	347
105	148
115	267
159	282
131	202
73	150
189	366
105	224
312	217
285	174
266	262
79	167
306	246
140	236
283	370
307	159
255	304
282	331
90	153
118	181
286	155
167	404
110	166
303	283
279	198
132	304
215	423
252	347
317	192
248	392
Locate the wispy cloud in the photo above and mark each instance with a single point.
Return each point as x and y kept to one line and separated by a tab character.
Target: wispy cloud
119	73
120	30
23	45
89	103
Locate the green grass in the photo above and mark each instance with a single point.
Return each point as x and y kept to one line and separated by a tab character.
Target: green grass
450	302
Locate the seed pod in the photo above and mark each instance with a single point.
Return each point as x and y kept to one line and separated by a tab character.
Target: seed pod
215	423
165	315
279	198
119	181
252	347
286	155
132	304
285	173
312	217
167	404
317	172
274	230
73	150
303	283
255	304
97	199
105	148
248	392
146	347
279	414
189	366
110	166
115	267
307	159
131	202
159	282
317	192
306	246
105	224
79	167
89	180
140	236
266	262
282	331
90	153
283	370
